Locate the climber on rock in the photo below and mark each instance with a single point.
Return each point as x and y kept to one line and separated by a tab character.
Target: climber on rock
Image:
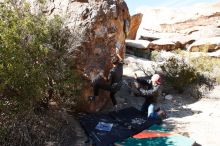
114	81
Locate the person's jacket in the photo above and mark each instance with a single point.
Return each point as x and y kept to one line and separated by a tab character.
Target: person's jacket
151	94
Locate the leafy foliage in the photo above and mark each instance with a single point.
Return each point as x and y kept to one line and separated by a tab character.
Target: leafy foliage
154	55
33	64
178	73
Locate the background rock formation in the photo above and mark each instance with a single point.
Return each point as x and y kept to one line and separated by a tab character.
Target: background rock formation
135	23
98	26
181	26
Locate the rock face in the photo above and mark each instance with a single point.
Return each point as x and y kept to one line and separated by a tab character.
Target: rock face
140	44
98	26
181	25
163	44
135	23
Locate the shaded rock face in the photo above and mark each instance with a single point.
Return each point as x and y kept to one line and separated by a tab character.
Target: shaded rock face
163	44
182	26
135	23
98	26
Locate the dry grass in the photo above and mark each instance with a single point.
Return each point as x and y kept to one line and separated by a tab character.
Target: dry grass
207	65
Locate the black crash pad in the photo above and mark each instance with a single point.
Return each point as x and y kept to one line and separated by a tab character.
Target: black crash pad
126	122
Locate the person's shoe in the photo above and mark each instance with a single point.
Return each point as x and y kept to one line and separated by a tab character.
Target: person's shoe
162	114
91	98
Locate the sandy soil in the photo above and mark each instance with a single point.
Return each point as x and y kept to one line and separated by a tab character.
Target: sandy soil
198	120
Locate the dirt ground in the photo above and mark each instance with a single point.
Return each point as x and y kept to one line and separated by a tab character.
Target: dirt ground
198	120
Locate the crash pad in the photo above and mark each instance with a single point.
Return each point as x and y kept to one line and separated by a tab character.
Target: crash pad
105	129
156	136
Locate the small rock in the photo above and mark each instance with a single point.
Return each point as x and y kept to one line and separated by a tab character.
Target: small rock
169	97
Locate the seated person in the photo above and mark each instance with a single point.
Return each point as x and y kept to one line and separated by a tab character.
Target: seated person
151	90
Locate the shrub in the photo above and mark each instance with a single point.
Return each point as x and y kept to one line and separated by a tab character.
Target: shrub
154	55
179	51
207	65
33	62
22	52
178	73
203	48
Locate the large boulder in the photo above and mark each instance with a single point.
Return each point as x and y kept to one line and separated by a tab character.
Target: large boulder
98	27
135	22
140	66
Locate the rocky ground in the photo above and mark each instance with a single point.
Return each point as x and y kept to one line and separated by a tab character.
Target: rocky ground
198	120
195	118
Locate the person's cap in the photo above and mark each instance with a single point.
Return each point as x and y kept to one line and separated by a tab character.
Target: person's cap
156	78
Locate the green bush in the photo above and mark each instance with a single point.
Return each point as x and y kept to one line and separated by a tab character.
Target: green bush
178	73
154	55
179	51
203	48
33	64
